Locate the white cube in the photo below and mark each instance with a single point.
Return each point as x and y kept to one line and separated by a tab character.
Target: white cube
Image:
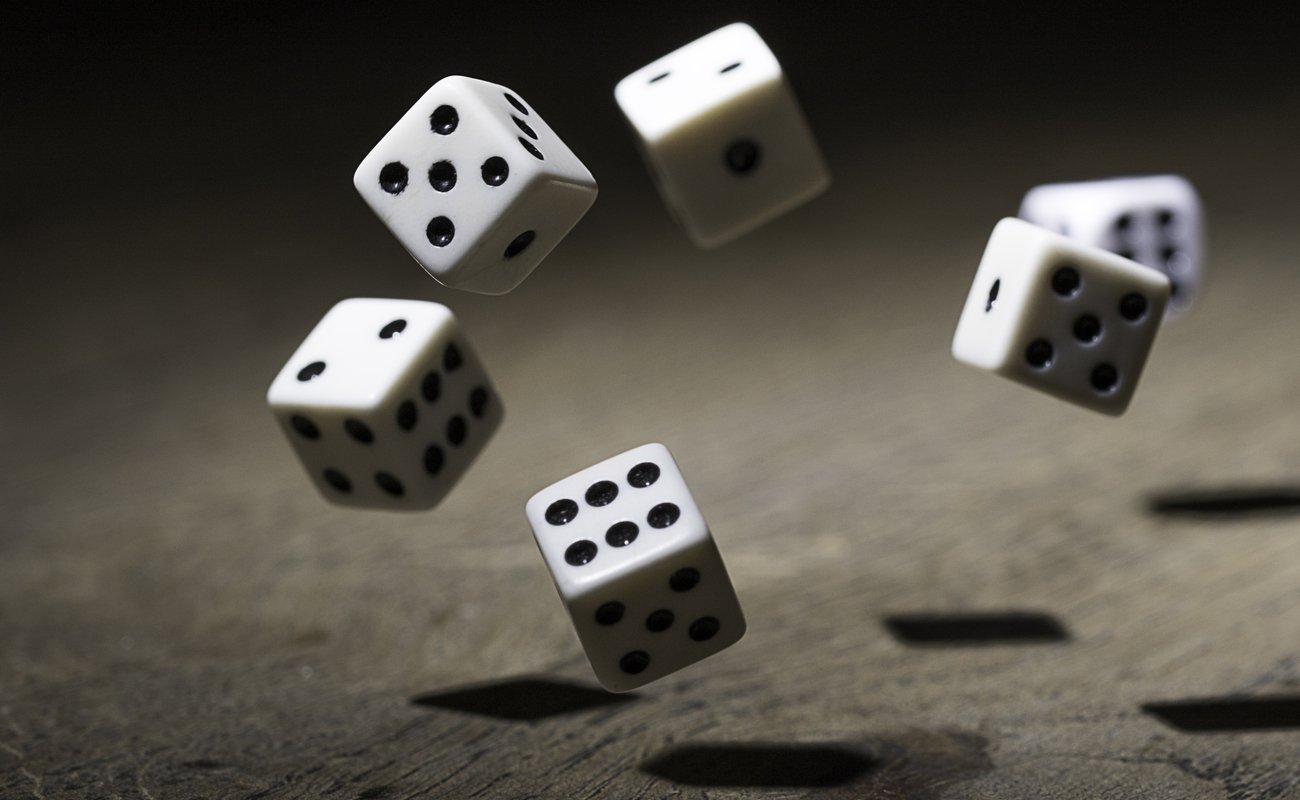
1155	220
635	563
723	135
1052	313
386	404
475	185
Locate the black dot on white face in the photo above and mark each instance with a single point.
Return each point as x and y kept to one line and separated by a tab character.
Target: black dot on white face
1167	254
312	370
431	387
704	628
1129	254
1165	217
635	662
451	358
621	534
440	231
1087	329
561	512
659	621
684	579
478	400
1039	354
305	427
389	484
659	77
525	127
993	294
742	156
392	329
663	515
407	415
433	459
514	101
533	151
520	243
456	430
601	493
358	430
393	177
729	68
610	613
337	480
1104	378
580	552
1123	222
1133	307
442	176
495	171
1066	281
444	120
643	475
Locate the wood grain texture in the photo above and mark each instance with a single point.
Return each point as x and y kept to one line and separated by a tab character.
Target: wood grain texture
182	617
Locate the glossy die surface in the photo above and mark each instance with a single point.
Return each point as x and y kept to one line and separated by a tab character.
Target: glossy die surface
1074	321
636	566
475	185
1155	220
723	135
386	404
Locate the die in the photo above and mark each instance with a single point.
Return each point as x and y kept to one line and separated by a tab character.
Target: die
1155	220
386	404
723	135
475	185
636	565
1059	316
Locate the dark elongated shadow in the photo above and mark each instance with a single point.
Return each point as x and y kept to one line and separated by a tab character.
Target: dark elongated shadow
1227	501
1229	714
526	698
762	764
972	629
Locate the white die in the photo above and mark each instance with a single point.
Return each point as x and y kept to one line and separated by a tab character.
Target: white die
723	135
1155	220
386	404
1054	314
635	564
475	185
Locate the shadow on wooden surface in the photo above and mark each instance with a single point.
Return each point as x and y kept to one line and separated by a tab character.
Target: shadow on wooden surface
976	629
1230	501
527	698
762	764
1229	714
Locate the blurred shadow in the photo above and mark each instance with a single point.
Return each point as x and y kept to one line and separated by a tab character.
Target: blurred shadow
1221	714
523	698
987	628
761	764
1227	502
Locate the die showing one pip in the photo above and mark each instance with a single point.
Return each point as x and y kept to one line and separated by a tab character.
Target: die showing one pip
723	135
1154	220
636	566
1059	316
386	404
475	185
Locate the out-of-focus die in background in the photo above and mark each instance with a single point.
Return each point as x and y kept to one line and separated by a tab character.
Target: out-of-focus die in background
1155	220
636	566
386	403
475	185
723	135
1060	316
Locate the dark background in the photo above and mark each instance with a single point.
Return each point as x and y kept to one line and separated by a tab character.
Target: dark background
181	615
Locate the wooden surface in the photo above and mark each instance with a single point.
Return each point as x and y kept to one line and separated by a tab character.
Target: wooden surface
181	616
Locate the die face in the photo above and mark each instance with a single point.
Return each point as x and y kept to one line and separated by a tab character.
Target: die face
1070	320
475	185
654	621
723	135
1155	220
392	424
614	518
